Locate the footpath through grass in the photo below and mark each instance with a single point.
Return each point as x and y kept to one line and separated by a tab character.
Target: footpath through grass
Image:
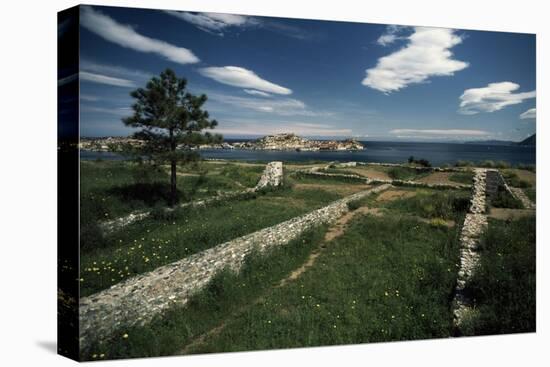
387	278
157	241
503	286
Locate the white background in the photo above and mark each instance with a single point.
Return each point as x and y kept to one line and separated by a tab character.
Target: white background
28	34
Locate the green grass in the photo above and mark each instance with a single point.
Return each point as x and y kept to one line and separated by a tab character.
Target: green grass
312	178
531	194
225	295
405	173
156	241
462	177
503	199
513	180
504	284
111	189
386	279
433	203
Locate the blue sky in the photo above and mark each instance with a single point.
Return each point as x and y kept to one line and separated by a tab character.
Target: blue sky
315	78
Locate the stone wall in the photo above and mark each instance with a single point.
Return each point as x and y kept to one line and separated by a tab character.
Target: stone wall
474	225
139	299
272	176
494	181
316	171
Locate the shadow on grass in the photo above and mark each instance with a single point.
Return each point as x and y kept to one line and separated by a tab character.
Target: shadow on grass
149	193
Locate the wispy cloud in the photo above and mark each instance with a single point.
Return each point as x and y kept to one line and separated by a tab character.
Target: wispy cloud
67	79
89	97
426	54
493	97
104	79
438	132
277	106
118	111
125	36
214	23
243	78
114	70
219	24
257	93
529	114
391	34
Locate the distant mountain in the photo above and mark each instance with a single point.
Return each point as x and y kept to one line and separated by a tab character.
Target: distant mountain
491	142
530	141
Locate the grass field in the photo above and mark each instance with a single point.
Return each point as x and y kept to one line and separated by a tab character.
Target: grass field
154	241
387	278
504	284
390	274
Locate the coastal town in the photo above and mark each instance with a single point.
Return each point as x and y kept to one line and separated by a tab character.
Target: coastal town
282	142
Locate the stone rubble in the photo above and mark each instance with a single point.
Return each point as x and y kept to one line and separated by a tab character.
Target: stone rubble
272	176
138	299
474	225
520	195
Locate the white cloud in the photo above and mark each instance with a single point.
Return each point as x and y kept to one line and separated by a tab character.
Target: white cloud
119	111
391	34
104	79
125	36
529	114
114	70
426	54
89	97
257	92
493	97
214	22
280	106
67	79
243	78
438	132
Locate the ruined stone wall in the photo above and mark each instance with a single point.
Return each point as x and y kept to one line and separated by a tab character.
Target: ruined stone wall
316	171
475	223
272	176
139	299
494	180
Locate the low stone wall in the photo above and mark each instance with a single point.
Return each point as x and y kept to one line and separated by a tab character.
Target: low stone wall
318	172
137	300
494	181
272	176
520	195
475	223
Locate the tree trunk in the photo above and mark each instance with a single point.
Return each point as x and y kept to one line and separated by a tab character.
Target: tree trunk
173	189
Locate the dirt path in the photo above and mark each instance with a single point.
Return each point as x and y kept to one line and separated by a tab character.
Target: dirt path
335	231
371	173
505	214
391	195
437	178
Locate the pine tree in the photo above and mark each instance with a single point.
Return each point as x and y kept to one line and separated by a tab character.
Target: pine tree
171	122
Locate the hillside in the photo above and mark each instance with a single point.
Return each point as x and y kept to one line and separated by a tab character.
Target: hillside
530	141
